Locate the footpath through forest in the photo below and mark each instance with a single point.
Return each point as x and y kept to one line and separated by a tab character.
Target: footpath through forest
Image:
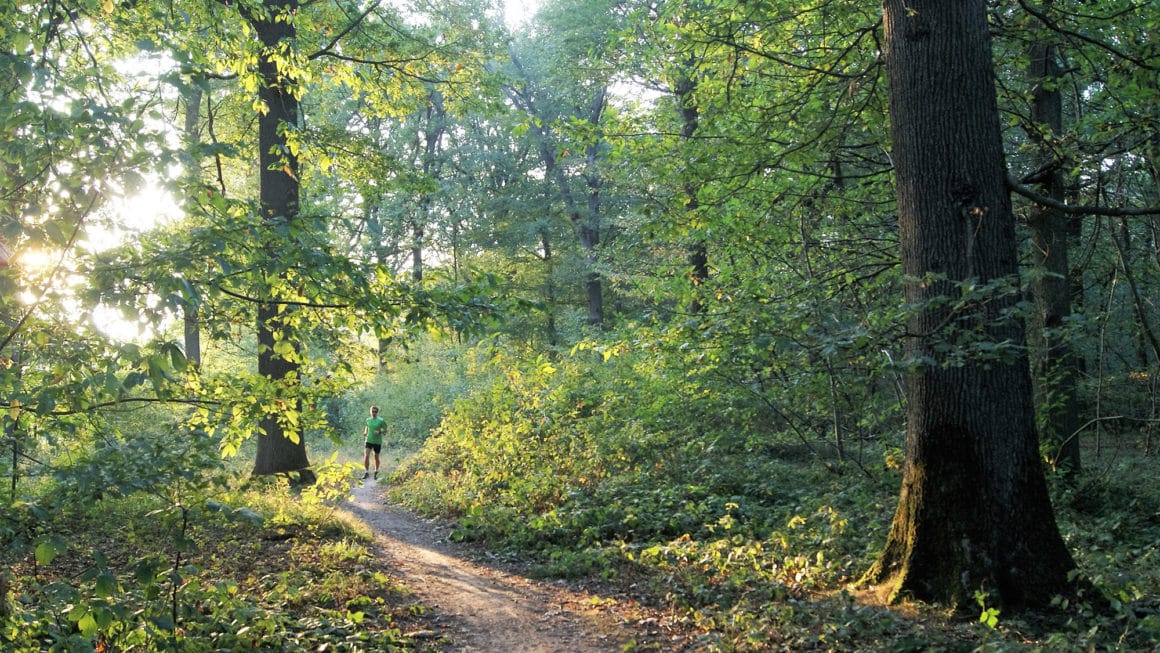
480	605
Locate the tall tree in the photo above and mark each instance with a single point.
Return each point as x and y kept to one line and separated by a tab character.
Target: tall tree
1050	234
579	194
280	449
765	152
190	133
974	512
292	273
561	78
431	139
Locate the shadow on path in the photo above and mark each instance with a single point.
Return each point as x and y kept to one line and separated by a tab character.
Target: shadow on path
481	608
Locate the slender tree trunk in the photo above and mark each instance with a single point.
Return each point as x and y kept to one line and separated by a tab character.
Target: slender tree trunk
380	250
1147	341
1152	159
699	250
190	309
435	127
1057	368
974	513
281	449
585	220
549	287
588	227
417	235
10	435
14	350
12	424
4	594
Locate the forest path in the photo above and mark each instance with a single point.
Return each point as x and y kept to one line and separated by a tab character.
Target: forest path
479	607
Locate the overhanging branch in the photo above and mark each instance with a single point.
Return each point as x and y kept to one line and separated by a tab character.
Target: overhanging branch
61	412
1103	45
283	302
1050	202
329	48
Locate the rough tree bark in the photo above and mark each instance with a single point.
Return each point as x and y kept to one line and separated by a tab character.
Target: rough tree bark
279	450
974	512
1051	286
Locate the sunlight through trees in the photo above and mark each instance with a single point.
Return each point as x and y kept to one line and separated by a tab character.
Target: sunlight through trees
745	302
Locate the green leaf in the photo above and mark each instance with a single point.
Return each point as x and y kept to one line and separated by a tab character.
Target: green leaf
55	234
49	549
106	585
145	571
284	349
88	625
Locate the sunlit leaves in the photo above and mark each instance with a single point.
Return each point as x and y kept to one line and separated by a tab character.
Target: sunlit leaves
77	134
49	548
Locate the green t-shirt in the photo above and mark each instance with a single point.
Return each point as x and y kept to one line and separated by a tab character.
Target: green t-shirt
375	428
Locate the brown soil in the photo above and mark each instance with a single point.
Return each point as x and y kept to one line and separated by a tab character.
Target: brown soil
480	605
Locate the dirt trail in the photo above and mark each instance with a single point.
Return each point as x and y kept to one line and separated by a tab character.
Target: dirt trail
480	608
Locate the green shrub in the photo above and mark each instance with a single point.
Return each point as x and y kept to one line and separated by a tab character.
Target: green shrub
607	462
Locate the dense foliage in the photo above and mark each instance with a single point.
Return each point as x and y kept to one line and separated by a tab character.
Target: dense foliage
595	469
625	280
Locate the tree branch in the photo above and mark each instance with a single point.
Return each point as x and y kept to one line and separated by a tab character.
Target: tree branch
1043	200
396	65
126	400
283	302
1050	24
329	47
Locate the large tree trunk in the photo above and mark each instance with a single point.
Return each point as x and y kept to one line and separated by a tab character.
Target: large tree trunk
1058	369
974	513
280	450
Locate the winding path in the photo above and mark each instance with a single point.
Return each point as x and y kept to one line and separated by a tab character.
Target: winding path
480	608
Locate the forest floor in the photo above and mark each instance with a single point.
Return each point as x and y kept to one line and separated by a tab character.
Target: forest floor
476	602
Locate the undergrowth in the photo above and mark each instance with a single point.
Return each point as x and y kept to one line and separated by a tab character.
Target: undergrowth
242	568
620	471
